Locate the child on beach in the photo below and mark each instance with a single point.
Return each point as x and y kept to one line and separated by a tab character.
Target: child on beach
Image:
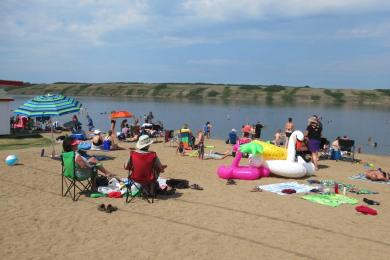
180	149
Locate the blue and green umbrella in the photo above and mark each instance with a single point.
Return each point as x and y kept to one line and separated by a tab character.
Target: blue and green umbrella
49	105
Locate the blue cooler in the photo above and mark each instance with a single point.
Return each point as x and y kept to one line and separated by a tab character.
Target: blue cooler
335	155
78	136
106	145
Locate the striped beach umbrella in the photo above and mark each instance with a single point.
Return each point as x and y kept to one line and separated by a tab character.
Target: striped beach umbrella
49	105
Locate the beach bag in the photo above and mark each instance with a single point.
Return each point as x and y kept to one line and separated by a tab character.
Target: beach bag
178	183
101	181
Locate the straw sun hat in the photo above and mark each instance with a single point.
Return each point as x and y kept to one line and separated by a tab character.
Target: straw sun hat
143	141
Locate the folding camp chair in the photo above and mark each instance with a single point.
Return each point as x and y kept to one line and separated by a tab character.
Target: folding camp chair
324	149
185	138
347	147
142	176
71	184
168	136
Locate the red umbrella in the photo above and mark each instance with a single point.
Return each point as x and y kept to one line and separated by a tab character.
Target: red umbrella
121	114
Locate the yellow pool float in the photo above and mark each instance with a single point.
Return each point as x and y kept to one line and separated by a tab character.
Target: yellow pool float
272	152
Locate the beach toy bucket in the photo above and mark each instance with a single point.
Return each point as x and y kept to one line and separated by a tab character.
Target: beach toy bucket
84	146
11	160
106	145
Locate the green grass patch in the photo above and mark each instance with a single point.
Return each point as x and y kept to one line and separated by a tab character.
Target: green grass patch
142	92
289	95
366	95
129	92
227	92
249	87
213	93
195	93
274	88
384	91
338	96
158	89
12	142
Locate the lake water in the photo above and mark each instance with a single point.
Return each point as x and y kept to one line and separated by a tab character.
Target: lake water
358	123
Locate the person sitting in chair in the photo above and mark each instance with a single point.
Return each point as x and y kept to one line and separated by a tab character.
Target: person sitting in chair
144	163
85	168
143	146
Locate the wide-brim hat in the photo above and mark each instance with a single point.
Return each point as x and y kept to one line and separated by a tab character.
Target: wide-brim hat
234	130
143	141
97	131
312	119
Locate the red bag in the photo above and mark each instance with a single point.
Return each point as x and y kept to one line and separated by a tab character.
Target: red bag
115	194
366	210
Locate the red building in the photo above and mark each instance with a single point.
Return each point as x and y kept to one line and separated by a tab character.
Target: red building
11	83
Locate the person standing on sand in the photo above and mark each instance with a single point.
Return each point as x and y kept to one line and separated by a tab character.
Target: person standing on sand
149	118
90	123
258	128
288	129
207	129
313	133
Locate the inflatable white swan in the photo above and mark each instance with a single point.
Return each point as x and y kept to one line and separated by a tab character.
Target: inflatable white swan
291	168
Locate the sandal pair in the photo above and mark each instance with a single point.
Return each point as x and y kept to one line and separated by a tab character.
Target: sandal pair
196	187
256	189
231	182
107	209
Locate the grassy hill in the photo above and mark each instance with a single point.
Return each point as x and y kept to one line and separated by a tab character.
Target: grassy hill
268	94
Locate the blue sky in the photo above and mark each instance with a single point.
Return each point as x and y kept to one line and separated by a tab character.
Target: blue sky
321	43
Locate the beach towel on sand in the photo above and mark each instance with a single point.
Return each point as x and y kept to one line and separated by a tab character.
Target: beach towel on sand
332	200
362	177
349	187
278	187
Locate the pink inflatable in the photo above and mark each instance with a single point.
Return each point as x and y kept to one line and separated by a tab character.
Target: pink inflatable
235	171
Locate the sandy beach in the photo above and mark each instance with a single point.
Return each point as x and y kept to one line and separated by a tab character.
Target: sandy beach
220	222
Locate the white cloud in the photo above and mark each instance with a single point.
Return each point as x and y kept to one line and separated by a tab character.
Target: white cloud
76	20
229	9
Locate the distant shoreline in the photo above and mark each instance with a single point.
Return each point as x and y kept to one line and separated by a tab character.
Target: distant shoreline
220	93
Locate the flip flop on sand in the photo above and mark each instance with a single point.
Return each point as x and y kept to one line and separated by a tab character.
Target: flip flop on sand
101	207
111	208
231	182
256	189
371	202
195	187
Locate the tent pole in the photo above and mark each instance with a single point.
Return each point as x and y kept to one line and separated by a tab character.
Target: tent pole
53	152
